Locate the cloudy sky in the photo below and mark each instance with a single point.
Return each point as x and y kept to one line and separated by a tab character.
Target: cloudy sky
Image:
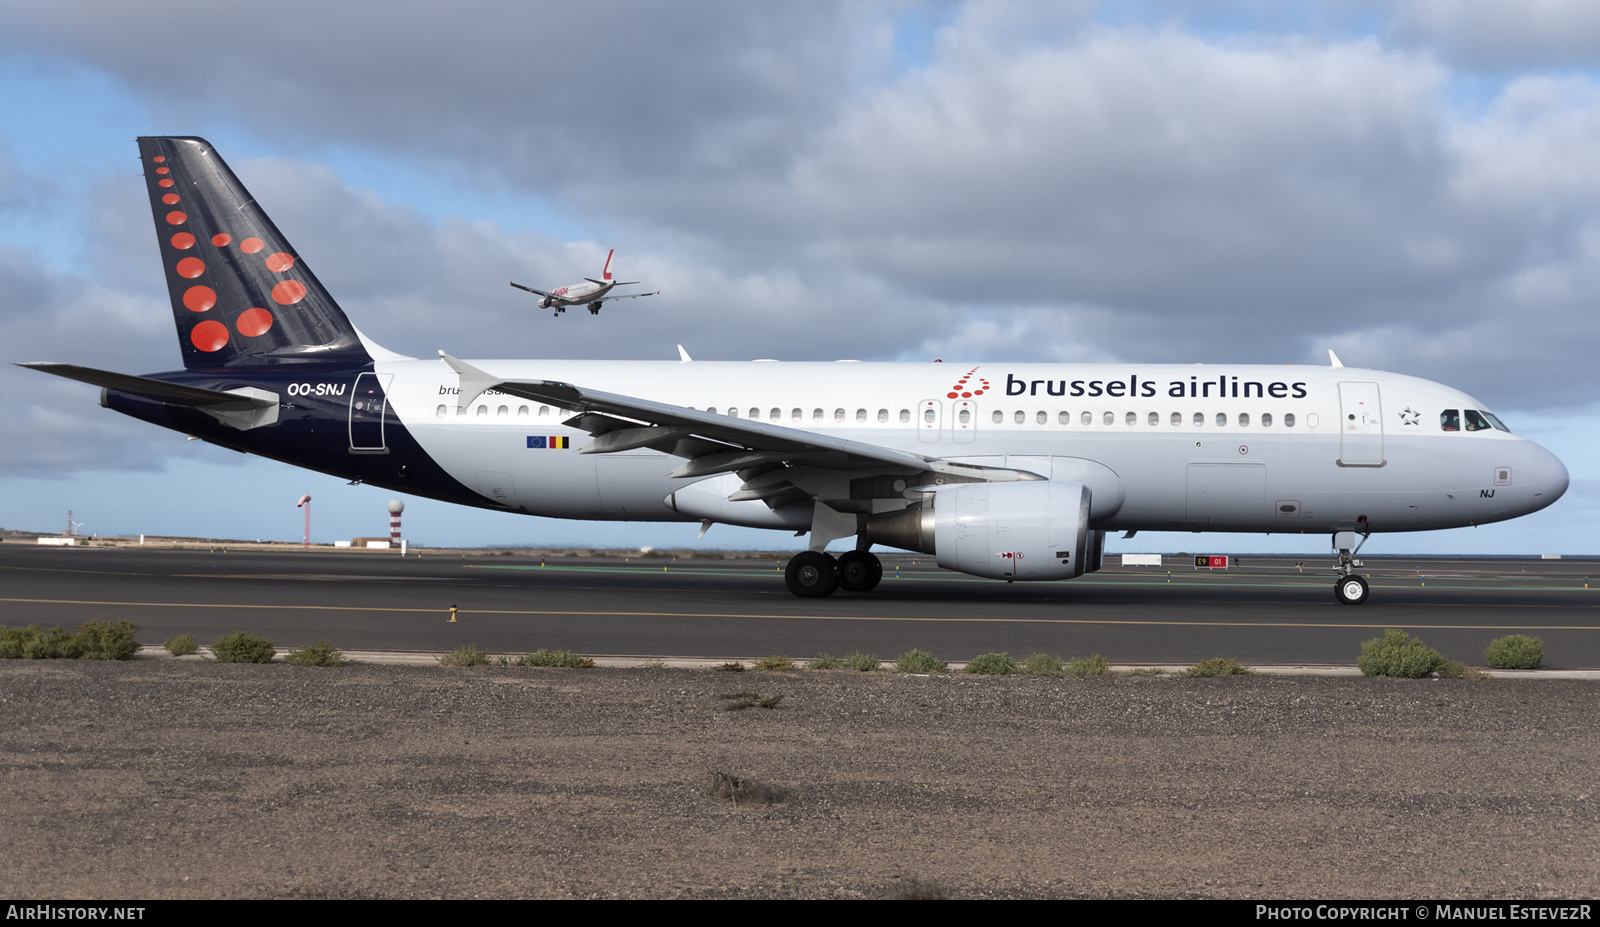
1414	185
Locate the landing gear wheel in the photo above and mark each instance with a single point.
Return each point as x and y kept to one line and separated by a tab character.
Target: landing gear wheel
859	571
594	308
1350	590
812	575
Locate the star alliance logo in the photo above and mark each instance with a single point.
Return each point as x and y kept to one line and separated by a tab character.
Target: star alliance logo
1410	416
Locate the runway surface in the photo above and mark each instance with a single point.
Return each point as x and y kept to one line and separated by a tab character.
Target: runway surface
1270	611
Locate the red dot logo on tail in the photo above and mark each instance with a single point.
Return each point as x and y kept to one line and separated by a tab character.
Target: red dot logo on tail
176	218
251	245
165	181
199	299
209	336
191	267
171	199
254	322
289	292
221	239
280	262
183	241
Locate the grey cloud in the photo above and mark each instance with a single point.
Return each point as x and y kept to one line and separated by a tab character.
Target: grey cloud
1531	34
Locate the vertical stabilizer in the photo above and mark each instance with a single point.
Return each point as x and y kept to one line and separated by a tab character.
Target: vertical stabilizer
606	274
241	295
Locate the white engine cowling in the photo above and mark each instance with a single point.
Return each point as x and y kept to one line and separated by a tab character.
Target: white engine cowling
1033	530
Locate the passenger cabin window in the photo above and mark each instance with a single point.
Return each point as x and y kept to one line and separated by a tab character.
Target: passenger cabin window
1065	418
927	415
1155	418
502	411
1288	419
1266	420
861	415
544	410
522	411
796	415
998	416
816	415
838	415
1132	418
1244	419
1042	418
441	411
1199	419
1222	419
883	415
733	412
1476	421
755	414
1110	418
483	410
1450	420
1019	417
965	416
905	416
774	414
1177	419
1087	418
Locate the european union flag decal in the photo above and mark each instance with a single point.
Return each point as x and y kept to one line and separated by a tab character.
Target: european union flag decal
536	441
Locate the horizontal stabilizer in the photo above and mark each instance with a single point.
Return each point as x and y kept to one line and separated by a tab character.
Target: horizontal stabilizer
160	390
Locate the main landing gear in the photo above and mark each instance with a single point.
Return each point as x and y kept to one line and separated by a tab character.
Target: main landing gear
1350	589
594	308
813	575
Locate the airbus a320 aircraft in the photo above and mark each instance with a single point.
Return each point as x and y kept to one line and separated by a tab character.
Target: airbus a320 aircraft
1009	471
591	291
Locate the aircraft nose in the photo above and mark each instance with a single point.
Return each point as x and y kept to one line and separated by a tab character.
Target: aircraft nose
1549	477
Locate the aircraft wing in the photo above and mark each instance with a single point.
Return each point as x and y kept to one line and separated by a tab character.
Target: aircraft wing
778	464
625	296
529	289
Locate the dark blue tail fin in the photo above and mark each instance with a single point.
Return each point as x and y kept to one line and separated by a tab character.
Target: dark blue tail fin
240	294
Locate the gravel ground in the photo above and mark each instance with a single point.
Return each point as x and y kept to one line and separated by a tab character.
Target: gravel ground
182	779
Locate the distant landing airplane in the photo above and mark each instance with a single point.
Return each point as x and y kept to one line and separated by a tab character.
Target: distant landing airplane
592	291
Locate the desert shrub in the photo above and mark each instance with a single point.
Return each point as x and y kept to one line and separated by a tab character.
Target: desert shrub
240	647
1216	666
863	663
321	653
102	640
732	666
182	646
1042	664
561	659
825	661
94	640
919	661
1086	667
773	664
1399	654
992	664
1514	651
469	655
33	643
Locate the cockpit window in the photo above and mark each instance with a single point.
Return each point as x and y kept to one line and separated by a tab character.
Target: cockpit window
1450	420
1495	421
1476	421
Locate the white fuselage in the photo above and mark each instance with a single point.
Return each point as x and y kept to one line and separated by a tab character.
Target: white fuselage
1162	447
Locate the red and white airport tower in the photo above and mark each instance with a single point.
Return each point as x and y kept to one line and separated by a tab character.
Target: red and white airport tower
395	508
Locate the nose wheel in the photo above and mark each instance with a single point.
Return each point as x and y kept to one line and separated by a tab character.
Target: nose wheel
1350	590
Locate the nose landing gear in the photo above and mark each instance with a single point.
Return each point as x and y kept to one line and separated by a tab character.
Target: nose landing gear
1350	589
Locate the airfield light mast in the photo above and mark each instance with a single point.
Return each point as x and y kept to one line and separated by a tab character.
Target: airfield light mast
305	503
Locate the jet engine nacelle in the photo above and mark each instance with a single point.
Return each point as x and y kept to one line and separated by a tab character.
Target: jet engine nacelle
1030	530
547	303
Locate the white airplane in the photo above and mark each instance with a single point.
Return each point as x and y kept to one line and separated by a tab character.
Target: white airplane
591	291
1009	471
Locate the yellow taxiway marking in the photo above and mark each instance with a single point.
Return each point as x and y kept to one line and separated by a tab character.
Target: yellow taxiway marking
642	614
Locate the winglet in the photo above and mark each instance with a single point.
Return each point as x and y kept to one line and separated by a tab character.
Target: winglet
472	380
683	356
1333	359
